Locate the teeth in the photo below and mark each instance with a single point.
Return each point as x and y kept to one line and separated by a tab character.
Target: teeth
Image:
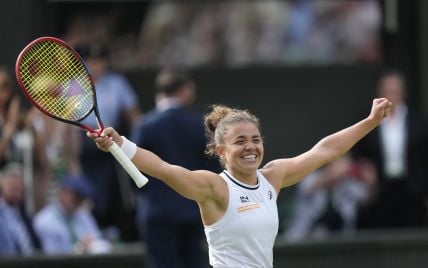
250	157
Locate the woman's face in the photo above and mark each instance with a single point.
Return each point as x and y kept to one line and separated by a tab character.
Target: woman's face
242	151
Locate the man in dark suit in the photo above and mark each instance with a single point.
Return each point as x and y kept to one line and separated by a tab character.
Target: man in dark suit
170	224
398	149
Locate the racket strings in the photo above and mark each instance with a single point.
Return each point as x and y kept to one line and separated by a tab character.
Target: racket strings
57	80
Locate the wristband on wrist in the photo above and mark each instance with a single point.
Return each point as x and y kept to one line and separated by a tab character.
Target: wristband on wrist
128	147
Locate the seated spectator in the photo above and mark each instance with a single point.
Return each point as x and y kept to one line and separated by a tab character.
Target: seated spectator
66	226
328	200
16	233
7	247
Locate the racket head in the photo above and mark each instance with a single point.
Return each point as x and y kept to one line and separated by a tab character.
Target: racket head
54	77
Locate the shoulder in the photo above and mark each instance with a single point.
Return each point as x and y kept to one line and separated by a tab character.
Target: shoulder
147	119
115	77
46	217
276	170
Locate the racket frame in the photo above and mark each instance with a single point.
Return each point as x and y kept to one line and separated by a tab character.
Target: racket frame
21	84
120	156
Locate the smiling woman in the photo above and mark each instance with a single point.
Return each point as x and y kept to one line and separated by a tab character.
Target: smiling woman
238	206
244	139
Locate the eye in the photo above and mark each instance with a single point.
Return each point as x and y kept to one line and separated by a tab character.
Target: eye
257	140
239	142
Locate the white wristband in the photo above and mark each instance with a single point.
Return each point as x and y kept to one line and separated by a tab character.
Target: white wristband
128	147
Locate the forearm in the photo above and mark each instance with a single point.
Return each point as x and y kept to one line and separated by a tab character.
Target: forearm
193	185
150	163
339	143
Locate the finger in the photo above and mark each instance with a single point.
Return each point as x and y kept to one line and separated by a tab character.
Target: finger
107	132
91	135
378	100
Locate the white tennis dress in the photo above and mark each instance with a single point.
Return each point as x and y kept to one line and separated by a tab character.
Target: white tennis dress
245	235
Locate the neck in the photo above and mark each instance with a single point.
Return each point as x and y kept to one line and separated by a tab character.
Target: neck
249	178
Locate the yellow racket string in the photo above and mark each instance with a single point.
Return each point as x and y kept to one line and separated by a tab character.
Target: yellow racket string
57	80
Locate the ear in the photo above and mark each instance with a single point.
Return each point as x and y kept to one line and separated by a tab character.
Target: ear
219	149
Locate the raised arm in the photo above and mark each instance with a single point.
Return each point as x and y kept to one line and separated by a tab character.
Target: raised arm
286	172
195	185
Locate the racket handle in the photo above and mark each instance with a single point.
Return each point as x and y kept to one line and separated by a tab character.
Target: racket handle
139	179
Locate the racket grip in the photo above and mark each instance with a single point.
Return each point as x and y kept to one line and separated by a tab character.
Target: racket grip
139	179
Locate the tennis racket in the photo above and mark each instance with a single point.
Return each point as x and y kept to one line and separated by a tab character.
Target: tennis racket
56	80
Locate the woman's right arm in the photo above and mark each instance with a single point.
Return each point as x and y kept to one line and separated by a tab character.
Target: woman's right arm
196	185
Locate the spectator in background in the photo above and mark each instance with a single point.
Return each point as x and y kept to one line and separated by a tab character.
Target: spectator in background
56	151
67	226
16	227
328	200
7	247
9	118
170	224
398	149
117	100
18	143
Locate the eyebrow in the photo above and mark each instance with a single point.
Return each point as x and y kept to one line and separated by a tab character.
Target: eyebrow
244	137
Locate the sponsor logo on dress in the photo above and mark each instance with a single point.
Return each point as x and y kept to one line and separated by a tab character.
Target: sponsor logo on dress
248	207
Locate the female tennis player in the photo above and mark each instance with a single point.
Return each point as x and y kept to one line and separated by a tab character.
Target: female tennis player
238	206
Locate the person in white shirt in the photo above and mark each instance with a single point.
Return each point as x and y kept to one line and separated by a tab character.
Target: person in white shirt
398	150
66	226
238	206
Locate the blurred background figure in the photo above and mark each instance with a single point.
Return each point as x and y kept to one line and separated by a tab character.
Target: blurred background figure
328	200
170	224
398	149
10	118
17	226
66	226
113	206
56	154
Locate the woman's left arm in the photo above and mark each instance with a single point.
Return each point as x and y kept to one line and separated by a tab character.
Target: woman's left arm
286	172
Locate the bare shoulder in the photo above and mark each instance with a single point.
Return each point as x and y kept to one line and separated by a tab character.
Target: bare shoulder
275	171
215	181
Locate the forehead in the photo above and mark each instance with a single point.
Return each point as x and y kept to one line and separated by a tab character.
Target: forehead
245	129
391	81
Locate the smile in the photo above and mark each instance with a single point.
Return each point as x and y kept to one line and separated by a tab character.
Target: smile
251	157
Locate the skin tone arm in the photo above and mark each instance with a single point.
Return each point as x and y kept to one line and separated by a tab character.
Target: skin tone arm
195	185
285	172
204	187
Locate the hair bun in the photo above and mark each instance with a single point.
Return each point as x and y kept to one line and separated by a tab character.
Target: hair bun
213	118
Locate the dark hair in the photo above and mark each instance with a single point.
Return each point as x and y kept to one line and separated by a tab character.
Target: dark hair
218	121
92	51
169	81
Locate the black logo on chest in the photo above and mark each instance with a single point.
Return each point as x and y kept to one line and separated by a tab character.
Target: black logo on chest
244	199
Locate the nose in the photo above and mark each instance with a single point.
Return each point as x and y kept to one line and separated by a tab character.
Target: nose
249	146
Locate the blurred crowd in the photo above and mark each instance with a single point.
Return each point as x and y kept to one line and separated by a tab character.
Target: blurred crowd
60	195
241	33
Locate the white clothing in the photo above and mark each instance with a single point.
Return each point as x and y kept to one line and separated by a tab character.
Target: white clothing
394	140
245	235
58	233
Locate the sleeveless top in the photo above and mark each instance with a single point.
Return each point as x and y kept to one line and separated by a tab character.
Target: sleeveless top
244	236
